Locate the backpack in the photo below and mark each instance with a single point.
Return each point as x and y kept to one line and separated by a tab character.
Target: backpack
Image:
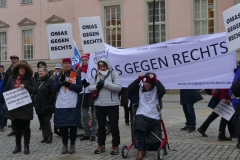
235	88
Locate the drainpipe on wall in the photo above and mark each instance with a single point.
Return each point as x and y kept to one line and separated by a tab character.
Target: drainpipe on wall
153	21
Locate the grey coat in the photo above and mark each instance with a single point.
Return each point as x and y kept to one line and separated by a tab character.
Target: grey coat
108	95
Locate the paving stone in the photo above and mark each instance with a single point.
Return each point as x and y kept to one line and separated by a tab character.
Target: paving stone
183	145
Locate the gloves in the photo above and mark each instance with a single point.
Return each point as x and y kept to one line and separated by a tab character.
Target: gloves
85	83
62	78
66	84
100	84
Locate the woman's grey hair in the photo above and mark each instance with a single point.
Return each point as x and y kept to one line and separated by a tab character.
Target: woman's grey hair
44	68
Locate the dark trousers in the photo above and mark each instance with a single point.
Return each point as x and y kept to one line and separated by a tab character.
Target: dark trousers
230	124
22	127
13	125
73	135
141	139
222	124
112	112
2	112
190	115
45	124
127	112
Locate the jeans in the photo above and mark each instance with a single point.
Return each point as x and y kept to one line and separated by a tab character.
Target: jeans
2	112
141	139
73	135
22	127
189	115
112	112
45	124
85	114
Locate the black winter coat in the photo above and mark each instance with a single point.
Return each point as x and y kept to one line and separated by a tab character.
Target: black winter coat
189	96
7	75
25	112
44	101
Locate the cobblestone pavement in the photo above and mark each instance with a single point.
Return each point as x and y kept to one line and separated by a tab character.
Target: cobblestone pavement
183	145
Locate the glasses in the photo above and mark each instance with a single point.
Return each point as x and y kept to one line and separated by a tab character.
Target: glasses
84	59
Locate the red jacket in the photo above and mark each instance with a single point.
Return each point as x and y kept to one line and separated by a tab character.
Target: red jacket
221	94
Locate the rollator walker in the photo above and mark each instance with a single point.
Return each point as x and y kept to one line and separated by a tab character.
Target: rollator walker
163	147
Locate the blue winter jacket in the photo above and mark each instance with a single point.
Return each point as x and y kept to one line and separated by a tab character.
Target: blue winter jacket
66	117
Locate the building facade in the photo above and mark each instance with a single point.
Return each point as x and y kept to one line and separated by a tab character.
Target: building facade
125	23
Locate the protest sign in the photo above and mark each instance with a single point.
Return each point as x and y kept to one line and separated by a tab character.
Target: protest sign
60	40
184	63
231	19
91	34
16	98
224	110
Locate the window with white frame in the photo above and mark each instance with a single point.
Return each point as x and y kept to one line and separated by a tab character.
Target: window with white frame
3	3
26	1
204	17
3	45
160	22
112	25
27	44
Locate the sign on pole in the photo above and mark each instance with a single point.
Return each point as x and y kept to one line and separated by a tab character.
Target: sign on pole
60	40
16	98
231	18
224	110
91	34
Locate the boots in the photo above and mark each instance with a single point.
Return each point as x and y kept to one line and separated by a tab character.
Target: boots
71	149
17	149
44	140
222	137
141	154
65	149
26	149
49	140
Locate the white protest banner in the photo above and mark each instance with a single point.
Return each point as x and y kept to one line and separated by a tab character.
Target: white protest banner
60	40
91	34
224	110
231	19
16	98
184	63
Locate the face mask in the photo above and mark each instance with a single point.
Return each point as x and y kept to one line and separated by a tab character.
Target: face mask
104	73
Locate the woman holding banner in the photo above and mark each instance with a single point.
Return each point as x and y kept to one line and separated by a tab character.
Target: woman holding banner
67	114
22	78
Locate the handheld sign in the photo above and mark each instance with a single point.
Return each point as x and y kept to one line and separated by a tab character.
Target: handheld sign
16	98
224	110
231	19
60	40
91	34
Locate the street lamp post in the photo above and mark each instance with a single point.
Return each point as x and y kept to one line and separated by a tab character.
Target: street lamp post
153	21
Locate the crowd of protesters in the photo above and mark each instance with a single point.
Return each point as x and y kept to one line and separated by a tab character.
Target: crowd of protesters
70	100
